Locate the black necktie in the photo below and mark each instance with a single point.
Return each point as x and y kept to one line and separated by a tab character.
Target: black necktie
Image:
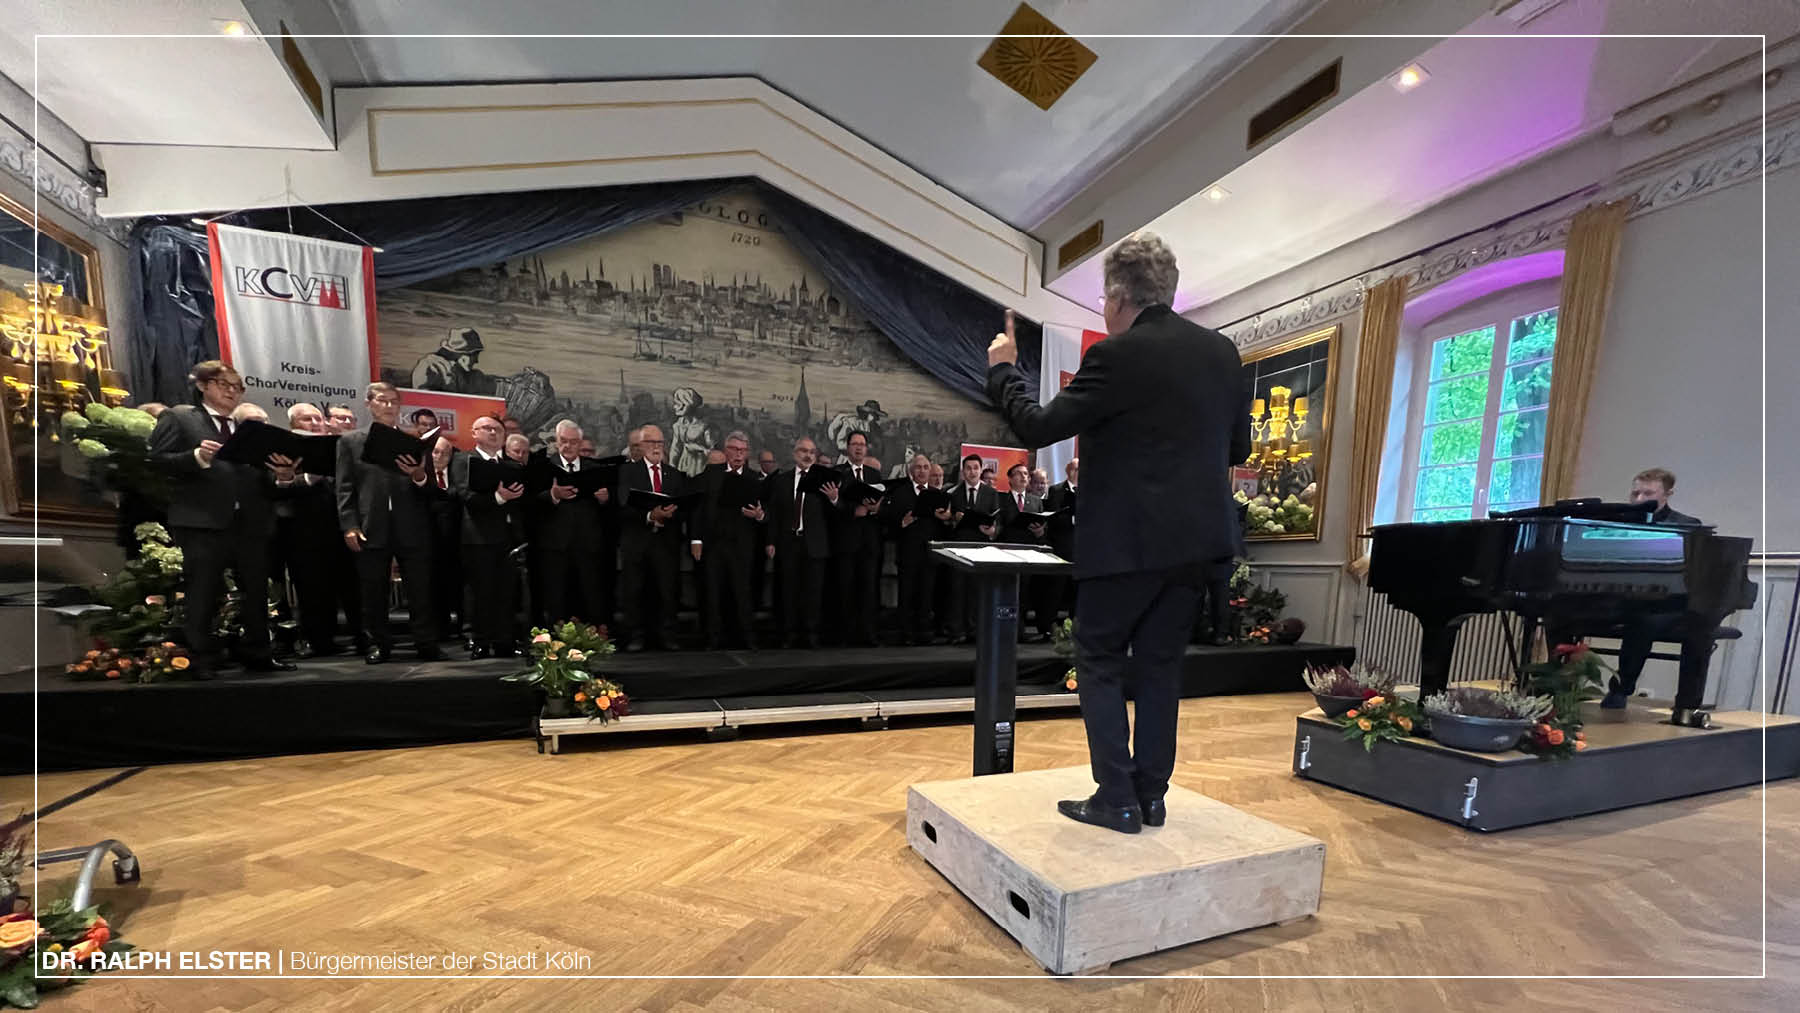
224	425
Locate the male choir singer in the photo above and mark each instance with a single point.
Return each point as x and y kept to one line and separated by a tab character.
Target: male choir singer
488	522
1158	400
222	516
384	512
651	537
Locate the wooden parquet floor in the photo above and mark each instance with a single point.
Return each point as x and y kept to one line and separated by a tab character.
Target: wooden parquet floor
786	855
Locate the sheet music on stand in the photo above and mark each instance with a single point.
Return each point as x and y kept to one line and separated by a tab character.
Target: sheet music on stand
1007	554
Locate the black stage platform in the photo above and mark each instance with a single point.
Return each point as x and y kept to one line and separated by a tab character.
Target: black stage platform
1634	757
341	703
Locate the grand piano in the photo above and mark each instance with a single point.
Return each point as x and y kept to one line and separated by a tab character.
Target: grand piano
1581	567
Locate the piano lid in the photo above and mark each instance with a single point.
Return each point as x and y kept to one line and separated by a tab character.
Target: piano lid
1584	509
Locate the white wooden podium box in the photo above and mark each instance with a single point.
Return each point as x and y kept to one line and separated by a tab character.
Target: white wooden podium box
1079	897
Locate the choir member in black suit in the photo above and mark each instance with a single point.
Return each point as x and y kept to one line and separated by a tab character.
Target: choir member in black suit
307	545
800	544
222	516
912	531
1060	591
732	533
856	549
970	494
568	537
384	512
651	540
446	543
1016	528
1159	400
759	570
488	533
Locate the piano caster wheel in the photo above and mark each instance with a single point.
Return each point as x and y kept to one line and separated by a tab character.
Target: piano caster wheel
1691	719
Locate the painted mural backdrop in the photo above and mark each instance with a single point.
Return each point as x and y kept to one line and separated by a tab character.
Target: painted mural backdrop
701	322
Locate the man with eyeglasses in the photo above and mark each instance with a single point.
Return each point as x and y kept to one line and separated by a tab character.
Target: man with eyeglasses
651	538
222	515
384	512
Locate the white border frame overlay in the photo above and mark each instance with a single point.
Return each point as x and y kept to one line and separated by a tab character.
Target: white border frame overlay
1763	603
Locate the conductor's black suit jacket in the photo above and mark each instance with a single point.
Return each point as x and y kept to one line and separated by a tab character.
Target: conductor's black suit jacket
1161	415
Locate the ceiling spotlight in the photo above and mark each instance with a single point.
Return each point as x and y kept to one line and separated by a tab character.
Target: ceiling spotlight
1410	77
377	249
202	222
231	27
1215	193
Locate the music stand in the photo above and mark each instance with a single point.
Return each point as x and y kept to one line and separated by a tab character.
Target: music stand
995	568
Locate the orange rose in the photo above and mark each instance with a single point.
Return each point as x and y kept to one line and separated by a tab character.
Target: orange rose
604	703
179	662
580	697
99	932
112	673
1352	712
1404	722
1363	723
18	933
1070	684
84	949
1580	744
1374	701
1555	737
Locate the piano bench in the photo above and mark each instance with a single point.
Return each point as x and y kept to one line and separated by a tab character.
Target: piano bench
1721	633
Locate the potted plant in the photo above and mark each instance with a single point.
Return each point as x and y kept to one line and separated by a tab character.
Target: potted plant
1483	720
1339	688
1572	676
564	659
1380	718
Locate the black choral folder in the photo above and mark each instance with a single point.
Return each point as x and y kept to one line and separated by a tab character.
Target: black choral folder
254	440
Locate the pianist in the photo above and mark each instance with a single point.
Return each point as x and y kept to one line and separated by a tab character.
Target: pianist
1637	635
1656	485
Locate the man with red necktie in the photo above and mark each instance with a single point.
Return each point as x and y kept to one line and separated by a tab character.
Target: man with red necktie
1015	527
651	538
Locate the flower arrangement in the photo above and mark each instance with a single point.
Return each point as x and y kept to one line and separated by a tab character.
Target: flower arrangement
1572	676
1256	608
564	660
1353	680
1380	718
26	934
1471	702
156	663
116	444
1272	515
144	596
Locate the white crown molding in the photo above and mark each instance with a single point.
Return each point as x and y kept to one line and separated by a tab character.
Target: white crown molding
1723	161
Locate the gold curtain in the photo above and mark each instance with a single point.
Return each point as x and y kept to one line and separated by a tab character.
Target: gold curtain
1376	343
1589	262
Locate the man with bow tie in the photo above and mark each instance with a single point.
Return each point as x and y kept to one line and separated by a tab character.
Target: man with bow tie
731	531
569	540
912	530
488	526
222	516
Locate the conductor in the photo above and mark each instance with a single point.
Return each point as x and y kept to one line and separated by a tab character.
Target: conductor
1156	406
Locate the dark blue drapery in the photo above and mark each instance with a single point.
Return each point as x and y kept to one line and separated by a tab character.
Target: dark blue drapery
939	324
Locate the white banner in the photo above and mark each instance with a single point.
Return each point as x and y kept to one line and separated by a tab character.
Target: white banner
1060	360
296	317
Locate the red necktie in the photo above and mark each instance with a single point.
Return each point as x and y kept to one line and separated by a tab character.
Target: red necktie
656	478
443	483
224	426
1021	498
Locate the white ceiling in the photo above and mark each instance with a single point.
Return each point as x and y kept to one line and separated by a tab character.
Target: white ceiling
1489	105
212	89
922	100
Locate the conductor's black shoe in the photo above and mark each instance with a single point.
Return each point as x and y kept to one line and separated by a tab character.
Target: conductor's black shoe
267	665
1155	812
1128	820
376	656
1615	700
1690	718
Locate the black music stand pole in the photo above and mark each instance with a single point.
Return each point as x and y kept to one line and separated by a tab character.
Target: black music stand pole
996	640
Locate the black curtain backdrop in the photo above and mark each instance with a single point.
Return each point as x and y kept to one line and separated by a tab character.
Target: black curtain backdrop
934	321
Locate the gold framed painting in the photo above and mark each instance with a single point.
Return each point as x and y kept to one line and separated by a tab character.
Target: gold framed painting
55	356
1292	385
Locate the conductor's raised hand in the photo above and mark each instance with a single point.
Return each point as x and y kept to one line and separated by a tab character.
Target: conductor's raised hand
1005	347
